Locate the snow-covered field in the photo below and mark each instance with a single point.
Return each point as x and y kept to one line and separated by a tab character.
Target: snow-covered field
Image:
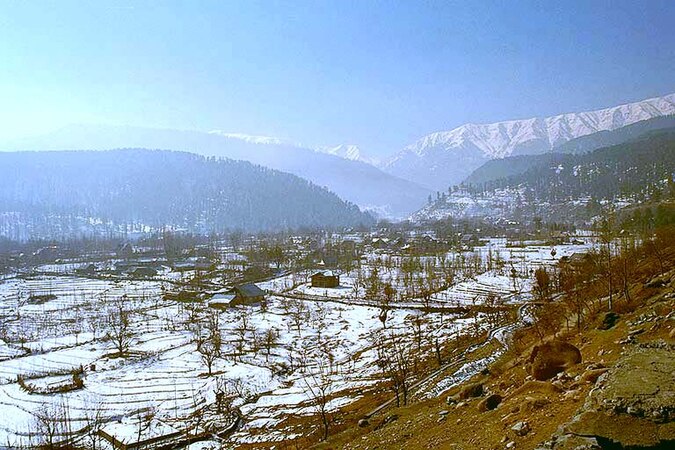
52	326
164	374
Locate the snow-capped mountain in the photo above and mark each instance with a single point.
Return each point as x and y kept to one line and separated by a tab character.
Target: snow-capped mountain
350	152
251	139
447	157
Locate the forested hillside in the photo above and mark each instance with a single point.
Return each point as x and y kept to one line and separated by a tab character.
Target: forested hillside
62	194
515	165
641	168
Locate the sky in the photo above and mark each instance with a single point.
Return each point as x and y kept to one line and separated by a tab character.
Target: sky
378	74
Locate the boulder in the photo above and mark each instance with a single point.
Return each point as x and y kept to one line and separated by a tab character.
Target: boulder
572	442
363	423
471	390
632	406
534	403
591	376
551	358
521	428
489	403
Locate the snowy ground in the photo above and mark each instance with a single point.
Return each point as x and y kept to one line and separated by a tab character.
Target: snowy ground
52	325
44	342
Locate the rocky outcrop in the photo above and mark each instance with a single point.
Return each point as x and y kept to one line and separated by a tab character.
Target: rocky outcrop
632	405
551	358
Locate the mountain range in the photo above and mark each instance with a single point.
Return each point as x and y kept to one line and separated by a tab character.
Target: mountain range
448	157
566	186
353	180
66	194
398	186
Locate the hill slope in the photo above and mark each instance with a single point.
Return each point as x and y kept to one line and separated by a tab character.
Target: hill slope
54	194
354	181
564	186
444	158
515	165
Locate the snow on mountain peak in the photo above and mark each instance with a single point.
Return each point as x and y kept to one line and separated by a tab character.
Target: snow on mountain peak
348	151
251	139
499	139
448	156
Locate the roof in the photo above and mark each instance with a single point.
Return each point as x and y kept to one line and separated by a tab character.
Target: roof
221	298
324	273
249	290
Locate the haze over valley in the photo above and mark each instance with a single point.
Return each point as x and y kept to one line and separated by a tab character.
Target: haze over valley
337	225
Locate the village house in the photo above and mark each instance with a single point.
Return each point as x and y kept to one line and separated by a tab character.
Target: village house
247	294
326	279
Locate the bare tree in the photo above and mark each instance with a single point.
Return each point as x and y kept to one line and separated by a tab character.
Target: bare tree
241	331
209	345
118	323
298	314
395	361
319	386
52	426
269	340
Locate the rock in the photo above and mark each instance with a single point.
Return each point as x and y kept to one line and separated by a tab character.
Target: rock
363	423
636	332
451	400
572	442
460	405
521	428
591	376
551	358
534	403
632	405
391	418
608	321
572	395
490	403
511	445
471	390
443	413
671	335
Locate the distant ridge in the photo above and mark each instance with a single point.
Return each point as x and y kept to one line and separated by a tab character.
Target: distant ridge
67	194
353	180
514	165
447	157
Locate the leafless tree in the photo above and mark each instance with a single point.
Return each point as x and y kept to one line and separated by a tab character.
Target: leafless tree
241	332
52	426
319	386
209	345
269	340
395	361
298	314
118	324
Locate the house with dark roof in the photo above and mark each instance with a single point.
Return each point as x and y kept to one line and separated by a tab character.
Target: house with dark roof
325	279
247	294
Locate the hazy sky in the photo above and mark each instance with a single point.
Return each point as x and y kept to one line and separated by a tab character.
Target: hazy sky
376	74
